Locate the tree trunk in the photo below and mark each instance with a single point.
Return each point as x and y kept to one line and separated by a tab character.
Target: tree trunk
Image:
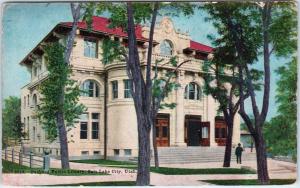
261	155
62	133
228	147
155	152
143	173
63	140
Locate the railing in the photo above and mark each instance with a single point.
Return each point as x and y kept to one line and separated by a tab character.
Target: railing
26	159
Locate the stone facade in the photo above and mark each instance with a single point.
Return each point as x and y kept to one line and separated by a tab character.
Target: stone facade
121	129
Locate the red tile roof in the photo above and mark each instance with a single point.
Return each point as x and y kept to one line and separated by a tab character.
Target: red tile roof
200	47
101	24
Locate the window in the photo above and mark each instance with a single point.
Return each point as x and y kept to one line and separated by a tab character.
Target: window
34	71
90	48
166	47
27	127
114	89
83	130
116	152
165	131
96	152
27	100
95	126
204	132
84	152
33	136
127	88
192	91
34	100
24	101
90	89
127	152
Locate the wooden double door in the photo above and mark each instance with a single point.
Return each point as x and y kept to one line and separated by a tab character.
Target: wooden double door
163	130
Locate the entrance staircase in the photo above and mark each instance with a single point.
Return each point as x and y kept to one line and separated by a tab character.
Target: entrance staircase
172	155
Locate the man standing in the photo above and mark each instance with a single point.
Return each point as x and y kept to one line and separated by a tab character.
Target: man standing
238	153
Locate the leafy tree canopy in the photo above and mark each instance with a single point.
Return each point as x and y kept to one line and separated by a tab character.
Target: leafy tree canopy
280	132
12	127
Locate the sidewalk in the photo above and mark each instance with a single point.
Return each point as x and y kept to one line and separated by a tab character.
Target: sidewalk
277	169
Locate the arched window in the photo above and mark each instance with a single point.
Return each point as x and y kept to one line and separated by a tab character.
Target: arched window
192	91
90	89
34	100
166	47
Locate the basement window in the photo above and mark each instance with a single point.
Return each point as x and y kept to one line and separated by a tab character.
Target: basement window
116	152
127	152
84	152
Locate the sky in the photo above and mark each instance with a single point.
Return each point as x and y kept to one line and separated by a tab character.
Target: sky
26	24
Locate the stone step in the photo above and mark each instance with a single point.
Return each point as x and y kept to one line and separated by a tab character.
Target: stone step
169	155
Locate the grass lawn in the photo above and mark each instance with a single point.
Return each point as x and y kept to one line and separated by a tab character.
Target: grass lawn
10	167
249	182
168	171
112	183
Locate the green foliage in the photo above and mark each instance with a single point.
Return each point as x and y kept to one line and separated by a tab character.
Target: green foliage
12	127
112	50
280	132
58	80
142	11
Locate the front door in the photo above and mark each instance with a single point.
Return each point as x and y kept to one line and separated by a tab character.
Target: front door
194	133
162	130
193	130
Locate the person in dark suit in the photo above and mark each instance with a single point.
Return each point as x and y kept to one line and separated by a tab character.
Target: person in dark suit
238	153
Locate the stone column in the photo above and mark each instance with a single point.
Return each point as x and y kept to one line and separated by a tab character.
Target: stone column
236	130
211	114
179	141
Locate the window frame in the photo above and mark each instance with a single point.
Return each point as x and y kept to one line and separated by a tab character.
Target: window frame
95	122
86	88
89	54
195	91
83	131
168	50
115	89
127	88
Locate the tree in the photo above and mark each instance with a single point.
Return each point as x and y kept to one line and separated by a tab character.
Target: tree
252	27
280	132
221	84
60	116
161	87
12	126
53	112
127	16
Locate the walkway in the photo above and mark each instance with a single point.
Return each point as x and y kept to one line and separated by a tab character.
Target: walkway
277	169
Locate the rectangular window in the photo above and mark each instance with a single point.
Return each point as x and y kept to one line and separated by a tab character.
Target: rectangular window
27	100
83	130
96	152
84	152
116	152
204	132
165	131
28	127
95	125
90	48
127	152
127	88
114	89
24	102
